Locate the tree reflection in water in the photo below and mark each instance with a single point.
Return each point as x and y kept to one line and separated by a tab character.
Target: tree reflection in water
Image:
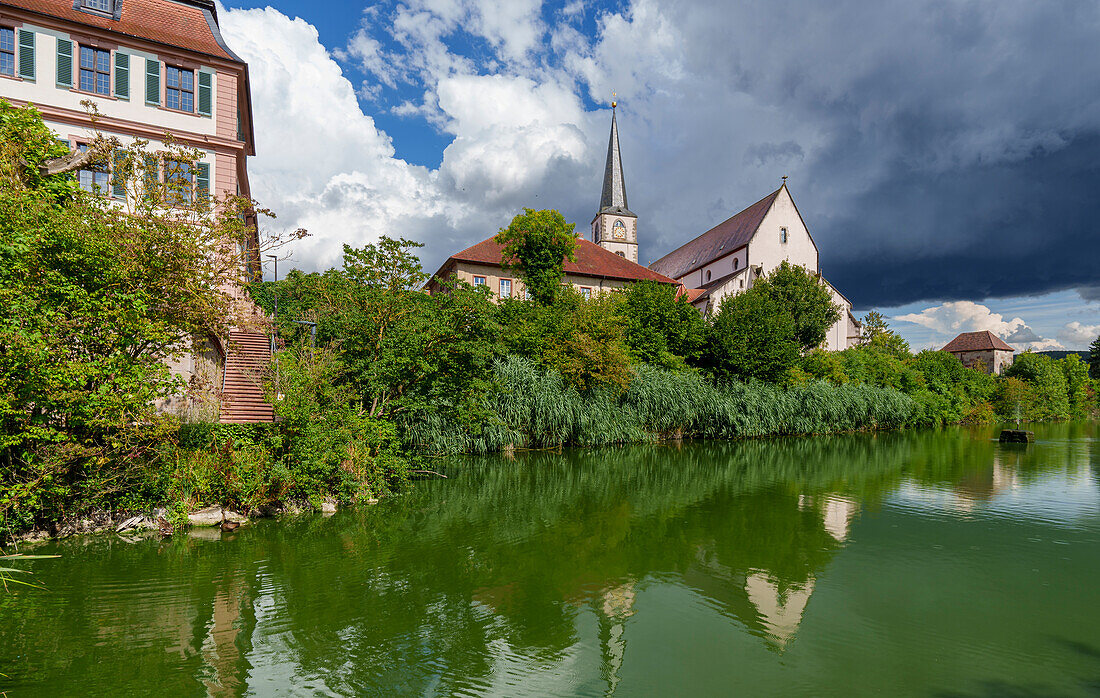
507	570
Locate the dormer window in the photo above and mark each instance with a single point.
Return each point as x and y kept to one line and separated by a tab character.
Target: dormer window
106	7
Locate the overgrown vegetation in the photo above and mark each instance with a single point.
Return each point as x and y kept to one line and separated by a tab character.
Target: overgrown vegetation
98	299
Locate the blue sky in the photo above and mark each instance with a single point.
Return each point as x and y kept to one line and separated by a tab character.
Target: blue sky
945	155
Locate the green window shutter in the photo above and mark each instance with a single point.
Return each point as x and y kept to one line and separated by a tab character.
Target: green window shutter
202	170
152	81
122	75
64	63
118	177
26	54
206	93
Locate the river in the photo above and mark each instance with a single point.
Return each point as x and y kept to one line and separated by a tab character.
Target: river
924	563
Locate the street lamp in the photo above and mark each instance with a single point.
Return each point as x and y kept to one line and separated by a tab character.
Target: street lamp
275	259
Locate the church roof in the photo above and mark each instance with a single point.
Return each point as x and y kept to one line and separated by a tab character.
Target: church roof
727	236
592	260
613	196
977	341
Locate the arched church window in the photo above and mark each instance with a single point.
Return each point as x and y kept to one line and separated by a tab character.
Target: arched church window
708	275
783	235
736	263
618	231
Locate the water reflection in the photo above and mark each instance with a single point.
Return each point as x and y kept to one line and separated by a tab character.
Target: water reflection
547	574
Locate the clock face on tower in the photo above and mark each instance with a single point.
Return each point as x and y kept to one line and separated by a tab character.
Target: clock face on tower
618	231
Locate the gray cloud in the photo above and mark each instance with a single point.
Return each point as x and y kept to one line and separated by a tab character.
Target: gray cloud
937	150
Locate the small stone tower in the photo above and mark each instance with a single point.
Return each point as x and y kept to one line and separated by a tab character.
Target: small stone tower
615	228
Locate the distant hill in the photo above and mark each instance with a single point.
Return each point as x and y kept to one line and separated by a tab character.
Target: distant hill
1063	354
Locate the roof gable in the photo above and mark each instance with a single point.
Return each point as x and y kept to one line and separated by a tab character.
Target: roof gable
592	260
977	341
727	236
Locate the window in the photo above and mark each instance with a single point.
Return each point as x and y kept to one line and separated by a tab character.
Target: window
586	292
95	70
736	263
708	275
104	6
7	51
621	255
505	288
179	184
783	235
479	281
742	283
179	91
94	179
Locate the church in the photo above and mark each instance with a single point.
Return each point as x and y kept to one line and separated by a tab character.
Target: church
725	260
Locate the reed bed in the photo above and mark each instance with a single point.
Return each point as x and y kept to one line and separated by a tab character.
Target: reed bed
531	407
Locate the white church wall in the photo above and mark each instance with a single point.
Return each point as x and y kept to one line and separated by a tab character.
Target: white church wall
768	251
723	266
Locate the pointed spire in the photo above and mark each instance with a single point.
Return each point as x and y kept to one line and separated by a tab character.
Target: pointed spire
613	197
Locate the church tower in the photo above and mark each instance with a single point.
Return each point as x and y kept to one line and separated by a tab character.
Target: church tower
615	228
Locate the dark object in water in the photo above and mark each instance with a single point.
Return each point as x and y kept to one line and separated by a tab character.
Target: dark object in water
1017	436
164	527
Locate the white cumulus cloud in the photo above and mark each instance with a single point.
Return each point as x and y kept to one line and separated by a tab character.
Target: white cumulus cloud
955	317
1077	335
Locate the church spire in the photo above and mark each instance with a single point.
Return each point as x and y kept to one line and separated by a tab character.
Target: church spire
613	197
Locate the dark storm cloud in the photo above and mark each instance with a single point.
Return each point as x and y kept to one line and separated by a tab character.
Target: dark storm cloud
951	149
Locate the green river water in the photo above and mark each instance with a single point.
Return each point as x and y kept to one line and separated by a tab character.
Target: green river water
928	563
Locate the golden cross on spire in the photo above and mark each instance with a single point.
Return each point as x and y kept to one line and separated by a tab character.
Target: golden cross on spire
613	102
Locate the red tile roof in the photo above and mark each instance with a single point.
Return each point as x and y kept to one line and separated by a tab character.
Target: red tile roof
977	341
723	238
694	293
163	21
592	260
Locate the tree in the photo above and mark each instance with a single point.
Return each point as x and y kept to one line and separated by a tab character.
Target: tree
804	297
1094	359
1076	373
753	336
877	334
401	349
95	301
536	244
1050	399
661	329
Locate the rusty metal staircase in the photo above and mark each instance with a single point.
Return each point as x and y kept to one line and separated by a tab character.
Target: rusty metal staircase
243	400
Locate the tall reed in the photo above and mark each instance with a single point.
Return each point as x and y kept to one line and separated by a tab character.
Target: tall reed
531	407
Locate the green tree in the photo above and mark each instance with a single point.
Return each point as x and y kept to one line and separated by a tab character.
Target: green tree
1094	359
877	334
1047	383
660	328
805	298
1076	373
536	244
581	339
401	349
753	336
95	301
